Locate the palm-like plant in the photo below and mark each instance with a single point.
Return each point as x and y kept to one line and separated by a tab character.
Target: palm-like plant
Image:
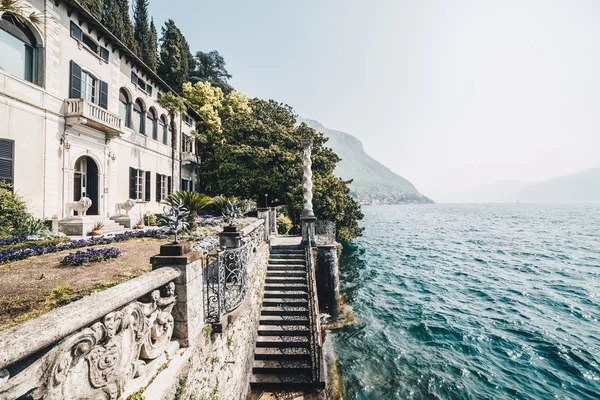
174	106
194	202
175	217
15	8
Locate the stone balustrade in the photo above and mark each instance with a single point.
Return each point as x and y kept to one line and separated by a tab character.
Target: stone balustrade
189	158
81	111
103	346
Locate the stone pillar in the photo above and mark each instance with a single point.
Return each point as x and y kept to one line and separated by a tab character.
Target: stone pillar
264	213
273	220
230	239
328	278
308	216
189	309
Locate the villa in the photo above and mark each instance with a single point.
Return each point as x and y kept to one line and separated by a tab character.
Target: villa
80	118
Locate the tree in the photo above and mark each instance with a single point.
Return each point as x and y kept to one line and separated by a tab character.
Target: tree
128	36
174	62
153	54
143	33
210	67
259	152
111	18
95	7
20	12
174	106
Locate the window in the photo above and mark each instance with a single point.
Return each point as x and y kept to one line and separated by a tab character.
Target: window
151	123
77	34
18	49
88	87
7	157
139	117
187	119
163	129
139	82
139	184
85	86
125	107
163	184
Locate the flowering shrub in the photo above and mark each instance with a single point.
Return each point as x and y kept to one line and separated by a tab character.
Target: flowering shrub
91	255
39	249
12	240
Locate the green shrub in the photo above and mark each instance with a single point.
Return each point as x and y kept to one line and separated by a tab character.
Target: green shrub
284	224
150	220
31	226
13	210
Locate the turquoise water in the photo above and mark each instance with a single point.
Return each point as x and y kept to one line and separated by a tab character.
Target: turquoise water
473	302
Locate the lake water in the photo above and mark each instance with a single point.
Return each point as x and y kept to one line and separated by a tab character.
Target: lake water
473	302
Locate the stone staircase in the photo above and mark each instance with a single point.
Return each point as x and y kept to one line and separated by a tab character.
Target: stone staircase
282	358
110	226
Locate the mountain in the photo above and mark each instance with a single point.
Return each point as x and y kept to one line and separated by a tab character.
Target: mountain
374	183
581	186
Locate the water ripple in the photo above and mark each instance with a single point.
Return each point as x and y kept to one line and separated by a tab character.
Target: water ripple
473	302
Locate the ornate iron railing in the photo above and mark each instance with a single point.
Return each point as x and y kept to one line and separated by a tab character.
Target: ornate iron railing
226	276
325	232
316	345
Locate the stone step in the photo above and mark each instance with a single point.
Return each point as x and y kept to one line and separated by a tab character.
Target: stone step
286	274
291	247
290	280
280	287
283	330
286	310
283	320
282	341
276	294
281	382
290	256
285	301
286	268
287	251
285	261
281	367
282	353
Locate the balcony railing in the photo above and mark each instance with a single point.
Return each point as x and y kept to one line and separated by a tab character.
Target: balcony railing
189	158
80	111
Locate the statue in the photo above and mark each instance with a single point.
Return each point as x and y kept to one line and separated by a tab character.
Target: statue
80	206
128	205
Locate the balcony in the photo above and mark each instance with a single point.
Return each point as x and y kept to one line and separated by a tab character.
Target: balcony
80	111
189	158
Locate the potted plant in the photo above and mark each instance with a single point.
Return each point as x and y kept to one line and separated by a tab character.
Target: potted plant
97	228
140	224
230	213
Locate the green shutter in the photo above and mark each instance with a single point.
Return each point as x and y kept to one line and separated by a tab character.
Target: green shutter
7	157
75	84
148	180
132	183
103	95
158	188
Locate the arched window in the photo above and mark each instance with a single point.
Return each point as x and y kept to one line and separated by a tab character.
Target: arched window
163	129
125	107
151	123
139	117
18	49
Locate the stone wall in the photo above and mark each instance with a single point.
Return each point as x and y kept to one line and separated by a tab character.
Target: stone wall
220	364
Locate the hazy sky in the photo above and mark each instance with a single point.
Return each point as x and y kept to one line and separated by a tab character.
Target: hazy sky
449	94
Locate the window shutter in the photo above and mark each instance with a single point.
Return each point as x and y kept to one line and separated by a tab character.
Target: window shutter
104	53
76	32
134	78
158	188
7	156
147	188
132	182
75	92
103	95
169	185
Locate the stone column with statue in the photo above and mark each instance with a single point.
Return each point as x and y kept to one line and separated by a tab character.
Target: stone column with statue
307	217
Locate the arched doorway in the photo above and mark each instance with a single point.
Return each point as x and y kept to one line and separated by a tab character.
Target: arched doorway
86	182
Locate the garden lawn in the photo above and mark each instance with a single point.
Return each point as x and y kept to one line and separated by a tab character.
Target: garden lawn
25	295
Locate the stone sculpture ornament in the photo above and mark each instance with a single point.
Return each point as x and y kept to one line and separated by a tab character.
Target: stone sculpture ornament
98	361
126	206
80	206
307	185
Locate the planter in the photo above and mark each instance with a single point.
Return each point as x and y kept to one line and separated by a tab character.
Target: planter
96	232
230	228
139	226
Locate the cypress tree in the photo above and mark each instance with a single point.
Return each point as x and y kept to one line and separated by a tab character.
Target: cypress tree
111	18
95	7
173	66
153	50
128	37
141	29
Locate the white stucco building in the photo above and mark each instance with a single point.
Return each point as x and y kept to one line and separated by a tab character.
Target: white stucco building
79	116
